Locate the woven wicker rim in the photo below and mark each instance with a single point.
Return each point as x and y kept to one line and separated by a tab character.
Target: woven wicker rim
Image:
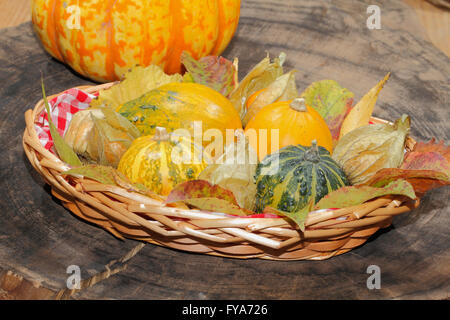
127	214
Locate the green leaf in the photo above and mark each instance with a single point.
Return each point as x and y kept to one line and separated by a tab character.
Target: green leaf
355	195
65	152
299	217
99	173
110	176
332	101
217	73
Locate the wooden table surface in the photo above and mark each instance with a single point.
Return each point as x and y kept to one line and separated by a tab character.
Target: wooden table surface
435	19
39	239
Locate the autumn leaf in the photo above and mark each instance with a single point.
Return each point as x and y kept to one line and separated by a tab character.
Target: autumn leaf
332	101
64	151
99	173
354	195
362	112
433	146
426	167
109	176
136	82
199	189
206	196
428	156
215	72
217	205
426	161
299	217
421	180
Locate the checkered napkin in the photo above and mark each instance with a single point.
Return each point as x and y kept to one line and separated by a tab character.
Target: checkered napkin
62	108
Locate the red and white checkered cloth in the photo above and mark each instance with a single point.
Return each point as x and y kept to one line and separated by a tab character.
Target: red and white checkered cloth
62	108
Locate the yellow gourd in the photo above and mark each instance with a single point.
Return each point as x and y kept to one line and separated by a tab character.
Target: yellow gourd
162	161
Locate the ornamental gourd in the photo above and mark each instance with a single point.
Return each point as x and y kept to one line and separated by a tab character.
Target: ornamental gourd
182	106
289	179
162	161
101	39
285	123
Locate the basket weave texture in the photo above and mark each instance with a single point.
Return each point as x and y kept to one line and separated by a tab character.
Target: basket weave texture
131	215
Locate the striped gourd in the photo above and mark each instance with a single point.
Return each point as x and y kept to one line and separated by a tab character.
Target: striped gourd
288	179
182	106
160	162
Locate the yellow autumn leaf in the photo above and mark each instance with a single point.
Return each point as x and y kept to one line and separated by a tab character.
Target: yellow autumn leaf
137	81
360	114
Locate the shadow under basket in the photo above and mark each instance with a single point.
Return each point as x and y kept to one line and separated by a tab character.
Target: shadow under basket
132	215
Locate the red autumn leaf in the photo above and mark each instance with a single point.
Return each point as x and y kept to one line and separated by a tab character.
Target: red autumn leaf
215	72
432	146
199	189
204	196
428	156
425	167
421	180
426	161
332	101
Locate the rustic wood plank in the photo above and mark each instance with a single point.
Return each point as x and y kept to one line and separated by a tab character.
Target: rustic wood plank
323	40
436	21
13	13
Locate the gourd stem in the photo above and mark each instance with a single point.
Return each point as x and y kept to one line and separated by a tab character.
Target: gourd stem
312	154
161	134
298	104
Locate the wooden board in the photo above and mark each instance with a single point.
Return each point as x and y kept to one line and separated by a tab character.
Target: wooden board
39	239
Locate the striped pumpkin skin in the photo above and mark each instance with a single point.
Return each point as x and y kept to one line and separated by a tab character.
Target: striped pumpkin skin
179	105
115	35
288	179
152	163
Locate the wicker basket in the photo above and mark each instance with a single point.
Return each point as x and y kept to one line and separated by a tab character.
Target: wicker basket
131	215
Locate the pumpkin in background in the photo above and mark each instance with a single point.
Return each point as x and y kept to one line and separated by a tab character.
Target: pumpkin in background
179	105
101	39
290	178
296	122
160	162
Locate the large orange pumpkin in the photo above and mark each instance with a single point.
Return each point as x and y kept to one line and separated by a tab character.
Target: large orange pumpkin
101	39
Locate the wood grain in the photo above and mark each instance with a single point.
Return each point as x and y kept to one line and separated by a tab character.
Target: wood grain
436	21
14	12
432	14
39	239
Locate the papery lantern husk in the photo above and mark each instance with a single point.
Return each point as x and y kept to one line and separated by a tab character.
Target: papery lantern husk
100	135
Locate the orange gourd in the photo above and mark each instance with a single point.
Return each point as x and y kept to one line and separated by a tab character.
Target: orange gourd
287	123
101	39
